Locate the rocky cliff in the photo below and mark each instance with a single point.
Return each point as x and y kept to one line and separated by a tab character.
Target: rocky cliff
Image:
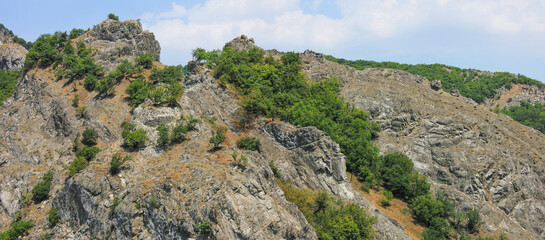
12	56
477	158
5	34
480	159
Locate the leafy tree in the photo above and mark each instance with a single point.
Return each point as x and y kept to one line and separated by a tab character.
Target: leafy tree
41	190
138	91
145	60
217	139
132	137
249	143
53	217
473	220
8	81
113	17
527	114
164	136
116	162
19	228
387	196
90	136
77	165
88	152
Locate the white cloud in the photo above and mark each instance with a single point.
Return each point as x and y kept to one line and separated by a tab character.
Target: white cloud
284	25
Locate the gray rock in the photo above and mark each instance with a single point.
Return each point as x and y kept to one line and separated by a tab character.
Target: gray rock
12	57
454	92
115	41
436	85
241	43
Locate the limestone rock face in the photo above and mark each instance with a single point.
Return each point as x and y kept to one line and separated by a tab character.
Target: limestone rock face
5	35
241	43
115	40
479	159
12	57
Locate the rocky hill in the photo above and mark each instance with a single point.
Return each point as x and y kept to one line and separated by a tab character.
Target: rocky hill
478	158
193	190
5	34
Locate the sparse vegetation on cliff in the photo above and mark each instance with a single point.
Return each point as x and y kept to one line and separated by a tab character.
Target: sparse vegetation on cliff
8	80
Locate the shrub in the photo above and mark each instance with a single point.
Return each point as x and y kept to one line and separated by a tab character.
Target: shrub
53	217
75	101
41	190
204	228
132	137
89	136
387	196
164	137
116	202
88	153
8	81
113	17
17	229
217	139
116	162
249	144
90	82
145	60
439	229
138	91
426	207
76	166
275	170
473	220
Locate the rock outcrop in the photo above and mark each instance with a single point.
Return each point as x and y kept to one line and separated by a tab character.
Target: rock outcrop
479	159
115	41
12	57
5	35
241	43
517	94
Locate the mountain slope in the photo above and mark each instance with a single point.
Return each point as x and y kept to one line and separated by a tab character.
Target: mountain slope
480	159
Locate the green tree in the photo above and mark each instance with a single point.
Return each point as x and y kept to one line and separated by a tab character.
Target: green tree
164	136
217	139
113	17
76	166
41	190
473	220
90	136
116	162
249	143
53	217
145	60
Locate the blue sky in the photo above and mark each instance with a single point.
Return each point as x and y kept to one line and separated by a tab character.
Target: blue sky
494	35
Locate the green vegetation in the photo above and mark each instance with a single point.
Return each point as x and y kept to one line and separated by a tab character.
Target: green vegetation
167	137
132	137
242	161
249	143
25	44
53	217
400	178
473	220
76	166
217	139
116	203
275	171
204	228
387	196
527	114
473	84
162	86
8	81
164	136
116	162
113	17
41	190
90	136
330	218
18	228
145	60
87	152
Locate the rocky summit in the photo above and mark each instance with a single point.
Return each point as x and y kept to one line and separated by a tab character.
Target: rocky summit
193	190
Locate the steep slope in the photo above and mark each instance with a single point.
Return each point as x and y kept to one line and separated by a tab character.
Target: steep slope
190	190
479	159
5	34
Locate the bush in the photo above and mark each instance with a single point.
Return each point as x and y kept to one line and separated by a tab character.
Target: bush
473	220
276	172
88	153
145	60
387	196
249	144
426	207
217	139
90	137
41	190
17	229
113	17
439	229
8	81
76	166
204	228
164	136
75	101
90	82
132	137
116	162
53	217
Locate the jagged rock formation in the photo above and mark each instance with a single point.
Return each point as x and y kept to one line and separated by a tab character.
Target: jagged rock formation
519	93
115	40
12	57
241	43
5	35
479	159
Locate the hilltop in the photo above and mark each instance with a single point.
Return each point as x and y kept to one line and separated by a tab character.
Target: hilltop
251	144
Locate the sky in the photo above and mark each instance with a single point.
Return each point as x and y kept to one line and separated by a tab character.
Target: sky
493	35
